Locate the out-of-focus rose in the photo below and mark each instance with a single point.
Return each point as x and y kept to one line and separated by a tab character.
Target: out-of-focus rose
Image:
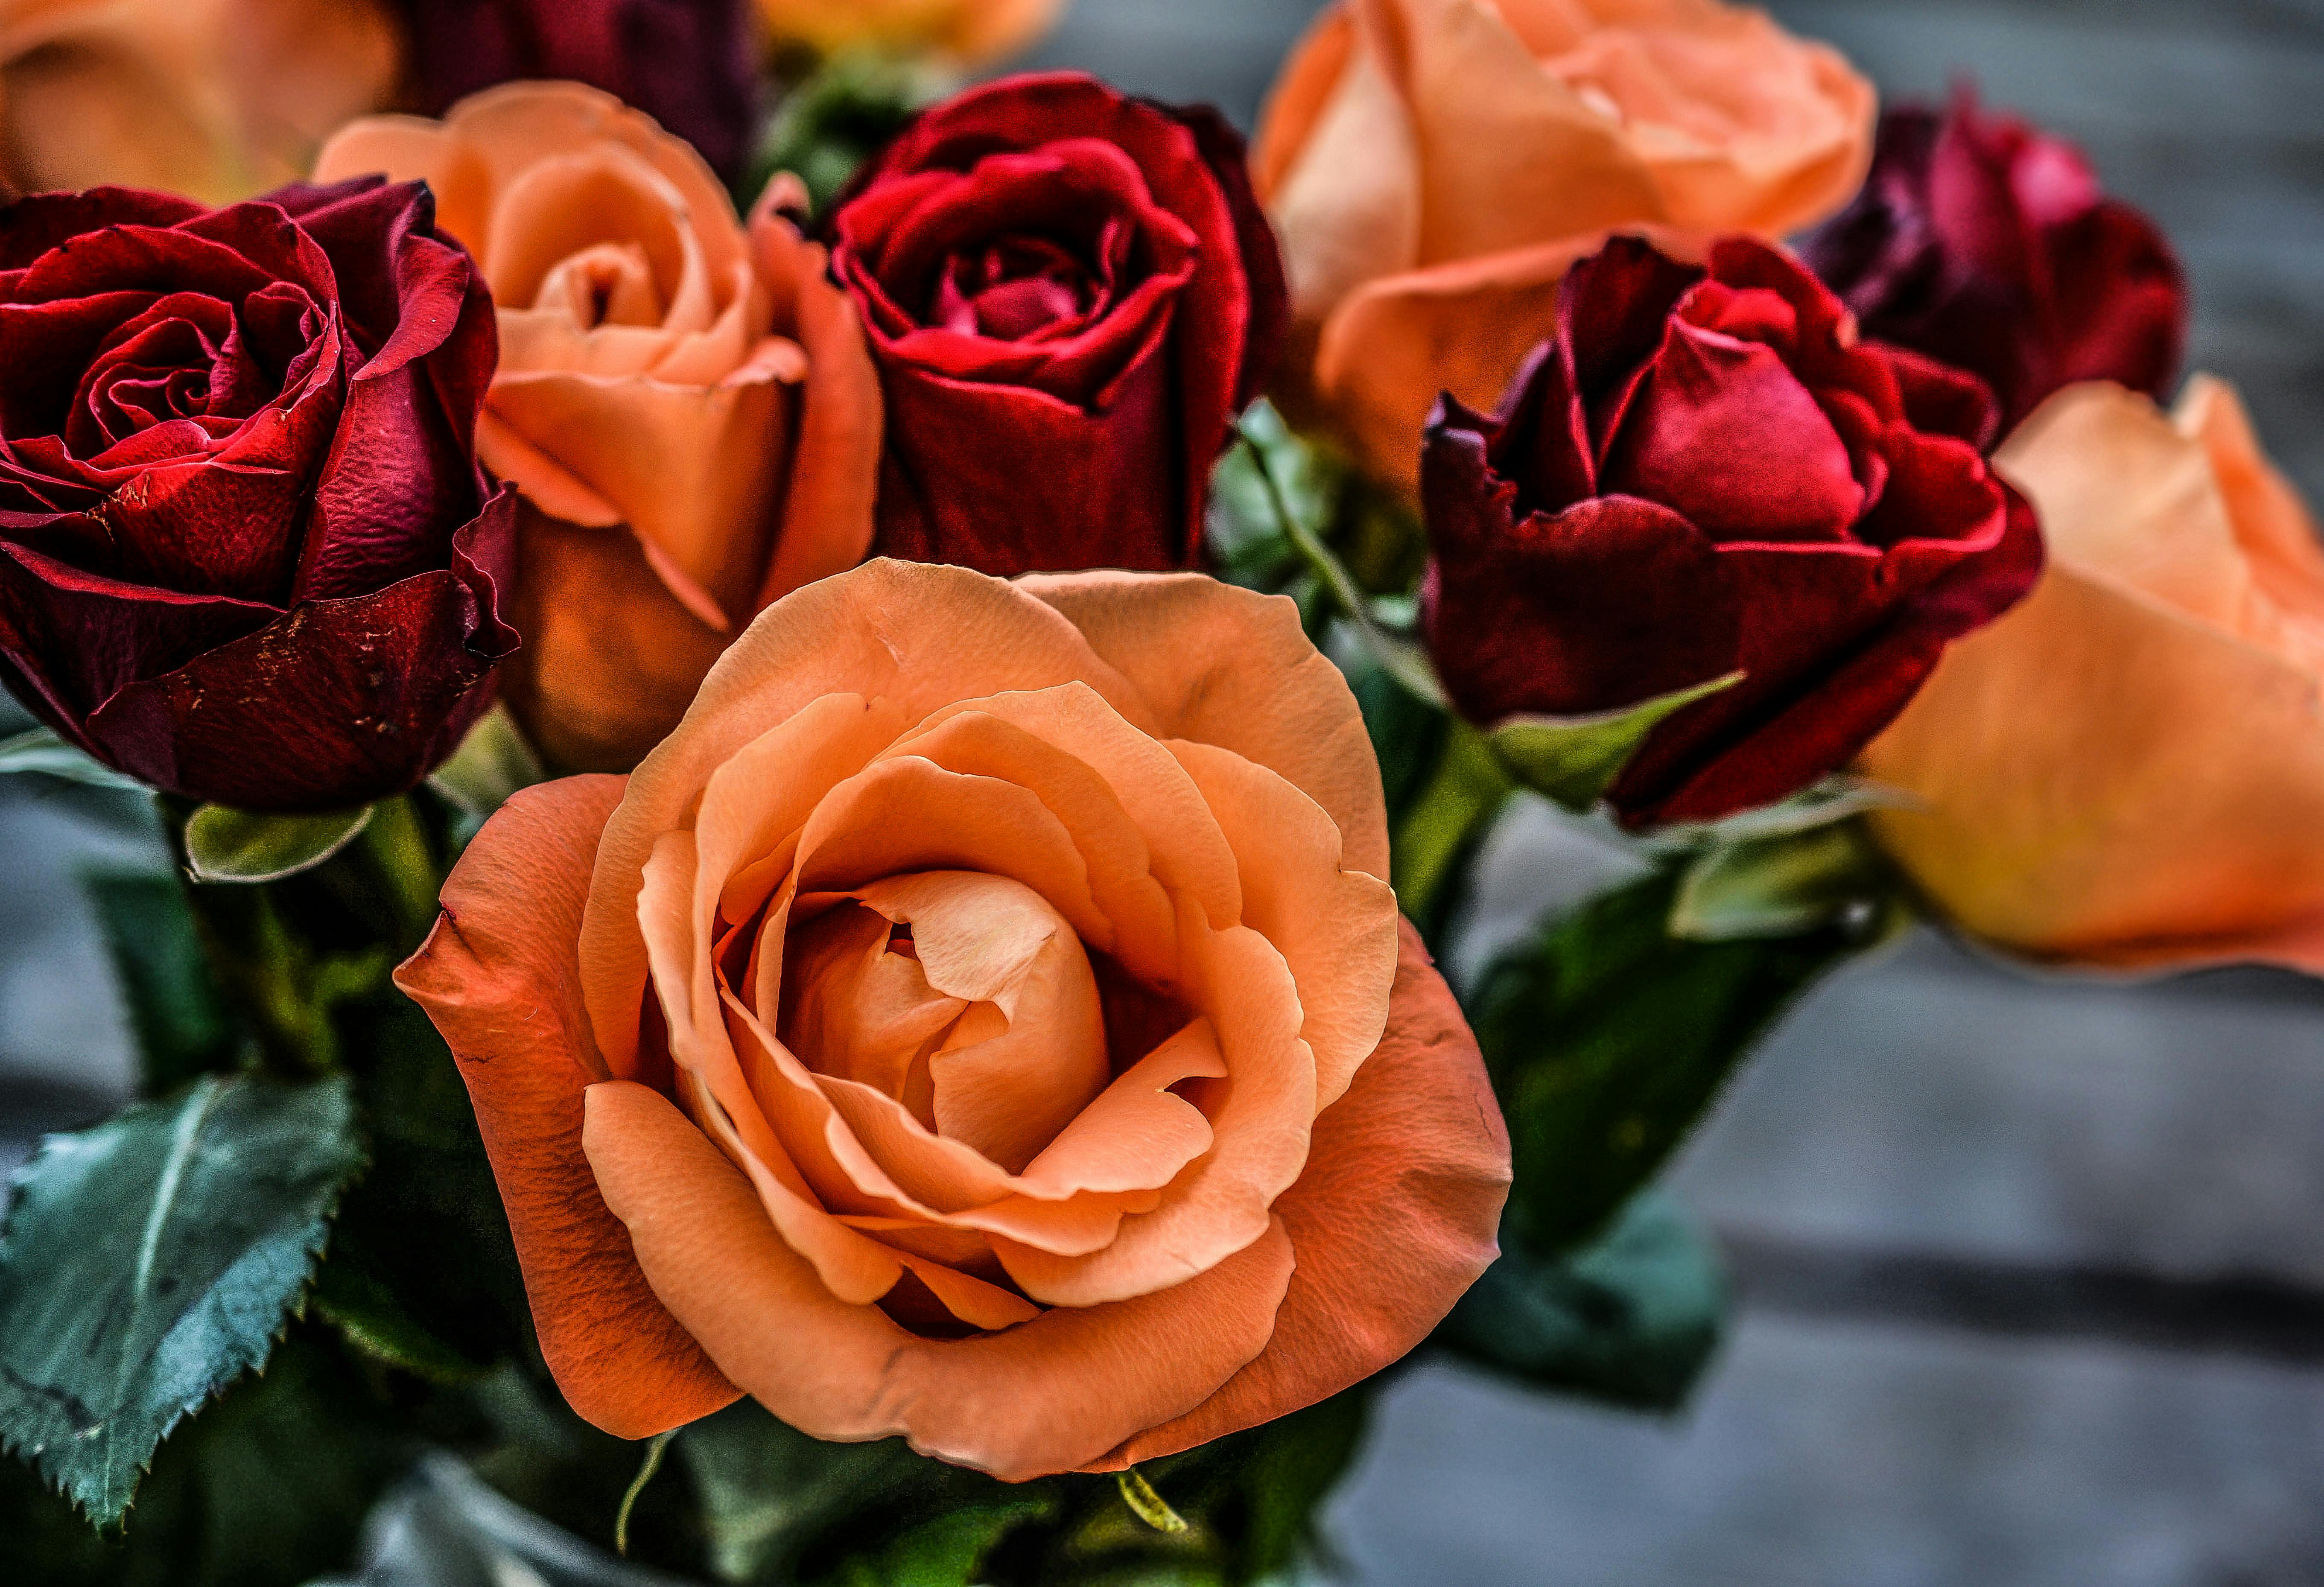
1987	243
982	1021
2129	769
213	98
1435	166
966	32
1705	473
687	63
1069	295
245	550
689	409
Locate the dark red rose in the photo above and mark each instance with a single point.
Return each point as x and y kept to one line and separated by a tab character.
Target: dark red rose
1703	472
1069	294
246	551
687	63
1987	243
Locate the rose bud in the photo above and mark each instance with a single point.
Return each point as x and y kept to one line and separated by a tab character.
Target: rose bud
2129	770
982	1021
965	33
1987	243
687	63
1435	166
688	409
1705	473
213	98
1069	295
246	551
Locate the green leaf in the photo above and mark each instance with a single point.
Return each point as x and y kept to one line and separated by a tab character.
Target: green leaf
1785	885
1632	1318
1822	803
42	753
1281	463
840	116
421	1271
1408	735
493	762
1446	820
767	1493
1573	759
948	1551
150	1262
267	1488
1607	1038
182	1024
243	846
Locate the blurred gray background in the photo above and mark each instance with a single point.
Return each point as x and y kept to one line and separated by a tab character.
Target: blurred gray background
2031	1272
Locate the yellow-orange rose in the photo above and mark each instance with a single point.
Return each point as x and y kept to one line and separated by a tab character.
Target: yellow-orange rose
967	33
216	99
2129	767
1435	166
982	1021
689	411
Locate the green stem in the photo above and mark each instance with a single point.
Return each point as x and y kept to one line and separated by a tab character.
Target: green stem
1461	798
1148	1505
645	1470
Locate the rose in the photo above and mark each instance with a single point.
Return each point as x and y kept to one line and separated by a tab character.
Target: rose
2129	769
687	63
1069	295
1987	243
1704	473
215	98
966	32
246	551
983	1020
1435	166
689	411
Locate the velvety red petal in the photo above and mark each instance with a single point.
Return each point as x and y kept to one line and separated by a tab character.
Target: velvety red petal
336	704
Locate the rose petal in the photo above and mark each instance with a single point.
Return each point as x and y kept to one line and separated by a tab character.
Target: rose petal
497	977
1393	1218
1045	1396
1231	667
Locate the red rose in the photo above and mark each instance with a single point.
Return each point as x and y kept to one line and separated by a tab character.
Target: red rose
1987	243
1703	472
1069	295
687	63
246	551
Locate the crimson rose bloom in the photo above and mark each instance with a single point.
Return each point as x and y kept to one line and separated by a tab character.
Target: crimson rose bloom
687	63
246	551
1704	472
1987	243
1069	295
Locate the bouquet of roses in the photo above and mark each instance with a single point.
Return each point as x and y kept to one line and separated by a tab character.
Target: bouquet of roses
804	772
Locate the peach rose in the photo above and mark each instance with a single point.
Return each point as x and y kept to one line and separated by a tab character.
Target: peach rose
967	33
217	99
983	1020
1435	166
2128	769
689	411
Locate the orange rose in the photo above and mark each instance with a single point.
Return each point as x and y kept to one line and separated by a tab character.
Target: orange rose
967	33
983	1021
217	99
1435	166
2129	767
689	411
